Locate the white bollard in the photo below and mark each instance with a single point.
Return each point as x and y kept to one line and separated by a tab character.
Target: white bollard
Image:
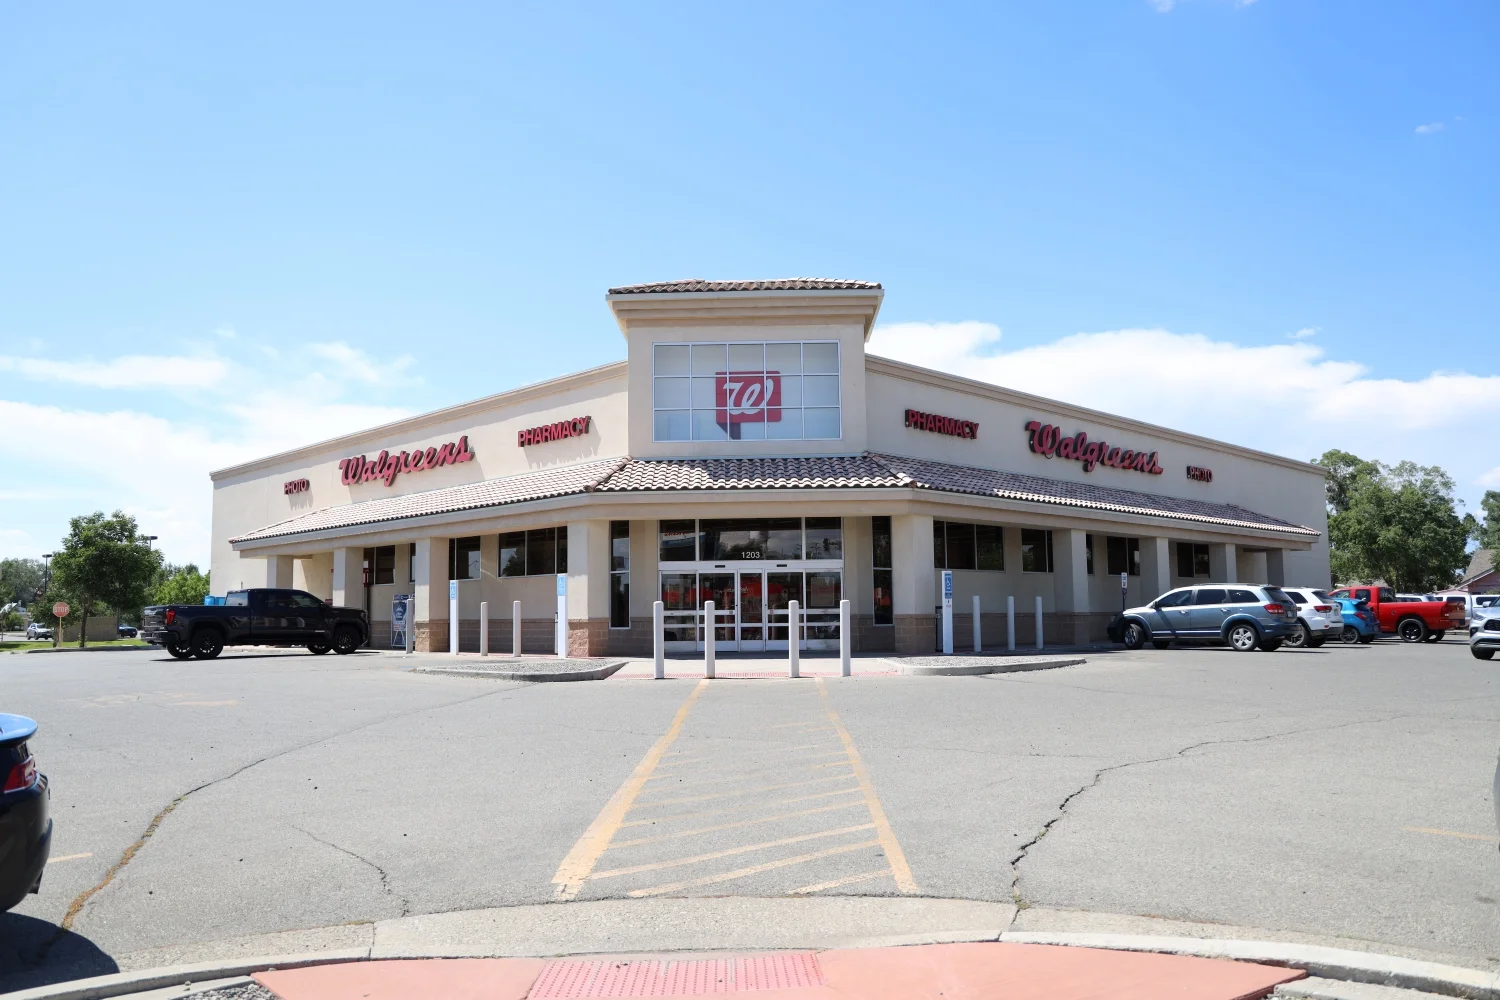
658	639
484	628
793	640
515	628
977	641
708	638
411	624
453	617
846	641
1010	623
1038	623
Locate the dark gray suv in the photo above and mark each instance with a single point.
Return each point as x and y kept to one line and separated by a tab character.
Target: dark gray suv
1243	616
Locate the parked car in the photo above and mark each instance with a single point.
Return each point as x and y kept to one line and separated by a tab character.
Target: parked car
259	617
1318	617
1472	602
36	630
1413	621
1243	616
25	823
1484	633
125	631
1360	624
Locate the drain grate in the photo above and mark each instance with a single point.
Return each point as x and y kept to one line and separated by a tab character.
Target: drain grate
570	978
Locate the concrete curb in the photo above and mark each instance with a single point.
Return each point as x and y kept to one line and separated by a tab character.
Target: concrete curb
540	676
1322	962
126	983
85	649
1000	666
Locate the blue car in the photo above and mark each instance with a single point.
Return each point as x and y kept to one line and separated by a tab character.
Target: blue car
25	826
1359	621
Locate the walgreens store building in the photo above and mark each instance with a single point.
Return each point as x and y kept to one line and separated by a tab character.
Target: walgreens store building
749	452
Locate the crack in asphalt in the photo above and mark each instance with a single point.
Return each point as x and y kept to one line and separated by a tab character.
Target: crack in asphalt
385	878
1062	807
65	926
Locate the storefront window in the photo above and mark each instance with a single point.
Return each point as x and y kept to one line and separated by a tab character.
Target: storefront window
382	564
1192	560
1088	550
989	539
679	592
880	537
1036	550
746	392
538	552
678	541
1124	556
825	538
463	558
619	574
960	545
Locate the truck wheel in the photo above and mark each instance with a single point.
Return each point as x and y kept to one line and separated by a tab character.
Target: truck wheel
207	643
1300	638
1412	630
318	647
1481	654
1243	637
345	640
1135	635
1436	636
178	652
1350	635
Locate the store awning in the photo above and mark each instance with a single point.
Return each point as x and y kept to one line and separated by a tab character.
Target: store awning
866	471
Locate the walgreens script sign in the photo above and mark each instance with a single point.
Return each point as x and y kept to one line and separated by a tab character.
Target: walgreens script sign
747	398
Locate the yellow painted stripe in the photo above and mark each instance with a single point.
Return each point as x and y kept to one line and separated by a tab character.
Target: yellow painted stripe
70	857
839	882
761	773
751	757
897	857
731	826
753	869
665	817
1452	833
575	868
743	791
730	852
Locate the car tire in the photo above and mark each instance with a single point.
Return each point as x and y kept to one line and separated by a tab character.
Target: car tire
1481	654
1350	635
1270	645
1365	640
1316	643
1161	643
318	647
177	652
345	640
207	643
1412	630
1300	638
1242	638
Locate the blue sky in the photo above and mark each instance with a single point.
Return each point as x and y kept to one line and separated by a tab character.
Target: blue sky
233	231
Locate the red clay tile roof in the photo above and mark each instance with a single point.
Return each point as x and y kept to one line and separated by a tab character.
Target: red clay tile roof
867	471
767	285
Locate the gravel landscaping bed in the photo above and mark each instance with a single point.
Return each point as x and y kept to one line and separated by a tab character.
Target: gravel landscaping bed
245	991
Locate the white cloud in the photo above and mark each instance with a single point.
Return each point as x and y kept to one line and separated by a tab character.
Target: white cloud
357	364
1430	128
1490	479
1305	332
133	371
1287	398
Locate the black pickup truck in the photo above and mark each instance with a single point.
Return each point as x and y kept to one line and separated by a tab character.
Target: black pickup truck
260	617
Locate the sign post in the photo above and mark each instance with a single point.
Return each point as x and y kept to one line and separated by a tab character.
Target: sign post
59	611
453	617
561	638
1124	591
947	612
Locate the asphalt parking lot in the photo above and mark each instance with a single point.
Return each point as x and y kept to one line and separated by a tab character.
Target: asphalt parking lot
1339	793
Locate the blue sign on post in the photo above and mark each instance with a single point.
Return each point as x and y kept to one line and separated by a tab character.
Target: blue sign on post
452	590
562	585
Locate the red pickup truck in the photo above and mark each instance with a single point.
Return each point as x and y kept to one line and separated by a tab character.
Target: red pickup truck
1413	621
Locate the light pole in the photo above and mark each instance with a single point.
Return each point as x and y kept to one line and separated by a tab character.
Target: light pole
46	591
148	539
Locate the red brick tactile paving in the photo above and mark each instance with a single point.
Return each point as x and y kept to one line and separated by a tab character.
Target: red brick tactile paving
986	970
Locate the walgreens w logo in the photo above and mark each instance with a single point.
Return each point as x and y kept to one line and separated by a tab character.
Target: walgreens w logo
747	397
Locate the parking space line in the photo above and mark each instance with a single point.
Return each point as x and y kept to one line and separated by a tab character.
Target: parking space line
730	852
762	773
580	861
743	791
753	869
739	809
733	826
692	763
1452	833
893	853
839	882
70	857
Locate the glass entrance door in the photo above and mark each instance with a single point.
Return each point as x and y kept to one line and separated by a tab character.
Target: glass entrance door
719	588
752	611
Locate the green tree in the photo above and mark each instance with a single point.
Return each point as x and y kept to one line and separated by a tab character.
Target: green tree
180	585
1398	523
1488	534
41	611
20	579
103	565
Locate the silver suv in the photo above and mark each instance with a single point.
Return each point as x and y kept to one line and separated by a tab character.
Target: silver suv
1244	616
1484	638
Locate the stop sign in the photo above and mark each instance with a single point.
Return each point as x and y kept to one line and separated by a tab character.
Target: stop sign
61	609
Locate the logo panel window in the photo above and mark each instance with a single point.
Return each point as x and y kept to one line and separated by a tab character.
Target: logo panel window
775	391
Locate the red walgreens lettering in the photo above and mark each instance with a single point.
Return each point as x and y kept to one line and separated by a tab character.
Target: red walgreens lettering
387	466
1047	440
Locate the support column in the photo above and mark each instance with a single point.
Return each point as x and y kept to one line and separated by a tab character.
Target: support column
348	578
430	620
914	584
1223	562
1156	568
278	572
588	587
1276	567
1071	584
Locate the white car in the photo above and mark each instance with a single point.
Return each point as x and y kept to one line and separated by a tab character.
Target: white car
1320	617
38	631
1473	603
